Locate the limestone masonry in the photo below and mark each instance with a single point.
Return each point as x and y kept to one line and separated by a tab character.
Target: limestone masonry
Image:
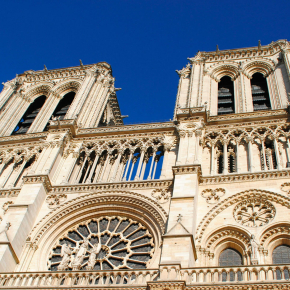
198	203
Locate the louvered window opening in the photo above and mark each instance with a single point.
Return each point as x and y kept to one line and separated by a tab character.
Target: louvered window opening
226	104
62	107
29	116
260	93
230	258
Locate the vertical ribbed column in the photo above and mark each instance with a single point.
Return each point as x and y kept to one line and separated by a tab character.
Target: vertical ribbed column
212	158
277	154
116	166
250	155
152	162
137	176
93	168
128	165
225	156
264	154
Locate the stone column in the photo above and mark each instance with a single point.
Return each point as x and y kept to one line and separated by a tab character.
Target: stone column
225	157
93	168
137	176
8	90
287	153
116	166
279	167
152	162
250	155
238	169
212	159
167	148
127	167
197	159
134	160
264	154
182	147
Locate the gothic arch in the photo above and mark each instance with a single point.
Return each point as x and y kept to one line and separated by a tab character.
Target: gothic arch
238	197
125	204
66	86
265	67
222	70
38	90
227	237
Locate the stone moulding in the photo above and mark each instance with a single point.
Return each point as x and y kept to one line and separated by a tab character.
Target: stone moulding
187	169
112	186
9	192
244	177
33	179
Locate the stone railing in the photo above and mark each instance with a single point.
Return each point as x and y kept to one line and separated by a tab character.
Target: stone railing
219	275
191	276
76	279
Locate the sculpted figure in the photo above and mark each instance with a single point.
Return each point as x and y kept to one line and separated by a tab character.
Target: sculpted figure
93	256
80	255
66	252
254	250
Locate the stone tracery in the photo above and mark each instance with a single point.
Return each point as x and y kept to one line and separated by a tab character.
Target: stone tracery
103	243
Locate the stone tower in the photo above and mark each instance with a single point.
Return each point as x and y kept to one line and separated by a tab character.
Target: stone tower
200	202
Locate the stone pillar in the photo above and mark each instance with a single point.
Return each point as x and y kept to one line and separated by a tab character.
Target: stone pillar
225	157
116	166
178	242
165	161
250	155
264	154
22	216
197	158
8	90
137	176
279	167
182	147
212	159
127	167
152	163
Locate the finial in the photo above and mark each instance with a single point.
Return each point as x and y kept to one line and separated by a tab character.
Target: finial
81	63
217	48
45	68
179	218
259	44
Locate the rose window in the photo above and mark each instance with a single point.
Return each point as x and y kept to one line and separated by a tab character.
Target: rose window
254	212
103	244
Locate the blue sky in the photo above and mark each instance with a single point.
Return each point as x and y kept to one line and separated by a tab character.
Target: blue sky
144	41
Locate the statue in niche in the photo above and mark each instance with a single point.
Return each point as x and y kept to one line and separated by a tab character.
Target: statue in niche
93	256
254	249
80	255
66	252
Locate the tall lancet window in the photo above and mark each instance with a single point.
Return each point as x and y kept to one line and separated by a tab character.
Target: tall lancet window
62	107
226	97
260	93
29	116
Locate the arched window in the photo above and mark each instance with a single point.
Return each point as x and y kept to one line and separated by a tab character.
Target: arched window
62	107
226	102
29	116
229	258
260	93
281	255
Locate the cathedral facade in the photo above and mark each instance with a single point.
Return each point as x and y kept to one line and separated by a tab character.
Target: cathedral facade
200	202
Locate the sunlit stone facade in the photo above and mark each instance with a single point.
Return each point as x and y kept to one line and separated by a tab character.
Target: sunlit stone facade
200	202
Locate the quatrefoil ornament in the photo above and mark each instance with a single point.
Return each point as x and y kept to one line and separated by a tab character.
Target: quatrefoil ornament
213	195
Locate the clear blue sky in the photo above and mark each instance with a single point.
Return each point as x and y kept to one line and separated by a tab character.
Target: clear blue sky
144	41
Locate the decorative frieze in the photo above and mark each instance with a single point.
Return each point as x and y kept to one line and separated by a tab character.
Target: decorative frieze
34	179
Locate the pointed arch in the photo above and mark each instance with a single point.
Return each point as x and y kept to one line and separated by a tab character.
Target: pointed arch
265	67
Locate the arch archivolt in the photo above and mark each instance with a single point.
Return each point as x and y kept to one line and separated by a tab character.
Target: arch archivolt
38	90
225	69
227	237
66	86
93	205
236	198
265	67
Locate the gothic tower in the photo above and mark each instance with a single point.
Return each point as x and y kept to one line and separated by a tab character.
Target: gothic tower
200	202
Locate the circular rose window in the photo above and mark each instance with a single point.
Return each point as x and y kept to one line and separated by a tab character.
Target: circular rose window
254	212
102	244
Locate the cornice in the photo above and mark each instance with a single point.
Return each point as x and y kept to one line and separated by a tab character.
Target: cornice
242	53
112	186
187	169
34	179
248	115
127	128
242	177
22	138
9	192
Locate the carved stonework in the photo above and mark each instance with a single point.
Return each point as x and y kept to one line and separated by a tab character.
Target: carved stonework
161	195
6	205
117	243
213	195
254	212
55	200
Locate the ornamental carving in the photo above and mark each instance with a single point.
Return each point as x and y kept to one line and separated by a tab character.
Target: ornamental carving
213	195
54	200
254	212
103	243
286	187
161	195
6	205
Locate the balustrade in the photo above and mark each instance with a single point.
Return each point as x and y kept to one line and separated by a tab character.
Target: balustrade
192	276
